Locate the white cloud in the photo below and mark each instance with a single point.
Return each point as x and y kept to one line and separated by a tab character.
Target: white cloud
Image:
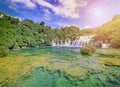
67	8
27	3
13	6
47	15
61	24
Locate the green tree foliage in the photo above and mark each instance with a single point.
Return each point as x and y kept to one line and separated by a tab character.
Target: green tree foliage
88	31
65	33
71	32
115	41
16	34
42	23
14	21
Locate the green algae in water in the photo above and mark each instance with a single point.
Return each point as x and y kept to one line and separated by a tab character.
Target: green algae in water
43	78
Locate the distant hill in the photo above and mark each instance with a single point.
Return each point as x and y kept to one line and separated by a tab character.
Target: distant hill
110	32
114	24
107	33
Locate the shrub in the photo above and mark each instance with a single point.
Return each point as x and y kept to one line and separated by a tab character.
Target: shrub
85	51
88	50
91	48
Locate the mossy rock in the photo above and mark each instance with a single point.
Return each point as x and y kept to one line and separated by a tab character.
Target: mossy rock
111	61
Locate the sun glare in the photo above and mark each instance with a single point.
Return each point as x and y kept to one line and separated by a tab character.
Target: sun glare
98	12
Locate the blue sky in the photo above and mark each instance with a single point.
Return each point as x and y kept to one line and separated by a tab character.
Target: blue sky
60	13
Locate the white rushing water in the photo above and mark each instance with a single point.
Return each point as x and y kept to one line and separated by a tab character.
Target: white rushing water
80	42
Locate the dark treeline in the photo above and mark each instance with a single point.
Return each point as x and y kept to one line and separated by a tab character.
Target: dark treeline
16	34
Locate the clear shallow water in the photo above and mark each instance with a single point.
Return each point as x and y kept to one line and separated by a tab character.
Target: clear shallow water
43	78
51	52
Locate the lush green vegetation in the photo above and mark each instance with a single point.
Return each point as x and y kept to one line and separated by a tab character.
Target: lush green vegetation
16	34
66	33
88	31
87	50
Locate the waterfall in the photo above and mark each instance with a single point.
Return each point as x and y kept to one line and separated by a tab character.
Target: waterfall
82	41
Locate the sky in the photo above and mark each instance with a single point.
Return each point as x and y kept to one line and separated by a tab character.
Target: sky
61	13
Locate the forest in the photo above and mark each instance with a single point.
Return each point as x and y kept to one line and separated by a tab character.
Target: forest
16	34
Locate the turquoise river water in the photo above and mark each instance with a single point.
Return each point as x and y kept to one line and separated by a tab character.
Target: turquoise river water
43	78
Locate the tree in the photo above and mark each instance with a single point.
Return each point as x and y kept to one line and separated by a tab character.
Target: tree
14	21
115	41
42	23
71	32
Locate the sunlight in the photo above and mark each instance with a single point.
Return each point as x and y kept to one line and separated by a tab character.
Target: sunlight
98	12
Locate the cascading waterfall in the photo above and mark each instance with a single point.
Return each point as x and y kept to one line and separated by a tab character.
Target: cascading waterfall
80	42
